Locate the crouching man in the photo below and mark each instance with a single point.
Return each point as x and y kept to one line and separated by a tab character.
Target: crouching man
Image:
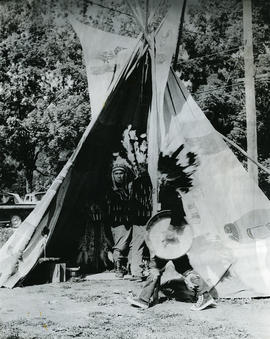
170	197
192	279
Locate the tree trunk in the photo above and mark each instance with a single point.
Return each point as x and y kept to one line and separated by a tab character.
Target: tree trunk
250	91
28	181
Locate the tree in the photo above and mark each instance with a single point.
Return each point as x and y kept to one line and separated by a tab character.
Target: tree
43	89
44	106
212	65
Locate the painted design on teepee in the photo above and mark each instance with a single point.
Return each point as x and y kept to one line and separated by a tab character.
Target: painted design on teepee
252	226
110	60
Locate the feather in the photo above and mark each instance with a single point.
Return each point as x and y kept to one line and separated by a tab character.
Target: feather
177	169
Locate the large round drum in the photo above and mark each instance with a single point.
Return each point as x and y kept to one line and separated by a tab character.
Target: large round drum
166	245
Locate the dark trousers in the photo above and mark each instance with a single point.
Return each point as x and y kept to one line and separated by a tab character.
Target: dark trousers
182	266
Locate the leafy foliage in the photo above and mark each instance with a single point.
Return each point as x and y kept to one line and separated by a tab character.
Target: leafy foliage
212	65
44	106
43	96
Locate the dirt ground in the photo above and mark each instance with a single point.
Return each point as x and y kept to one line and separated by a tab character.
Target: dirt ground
98	309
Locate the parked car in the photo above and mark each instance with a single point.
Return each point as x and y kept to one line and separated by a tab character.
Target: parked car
14	209
10	198
33	198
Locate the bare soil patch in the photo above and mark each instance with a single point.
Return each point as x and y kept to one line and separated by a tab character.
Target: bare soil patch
98	309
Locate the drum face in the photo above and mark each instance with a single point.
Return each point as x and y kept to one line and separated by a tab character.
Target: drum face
167	248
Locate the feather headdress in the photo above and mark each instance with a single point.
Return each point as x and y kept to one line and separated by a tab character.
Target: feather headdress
133	153
177	169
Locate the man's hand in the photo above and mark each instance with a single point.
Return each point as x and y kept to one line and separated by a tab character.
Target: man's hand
176	228
192	280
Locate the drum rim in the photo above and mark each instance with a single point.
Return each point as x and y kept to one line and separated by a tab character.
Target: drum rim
158	215
152	220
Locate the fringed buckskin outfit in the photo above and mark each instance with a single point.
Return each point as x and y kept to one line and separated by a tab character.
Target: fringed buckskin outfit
128	209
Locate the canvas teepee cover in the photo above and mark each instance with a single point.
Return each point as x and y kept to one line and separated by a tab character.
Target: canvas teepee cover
228	213
84	177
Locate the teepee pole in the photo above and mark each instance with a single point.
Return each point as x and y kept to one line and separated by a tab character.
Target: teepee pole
153	126
146	16
137	19
255	162
153	121
154	138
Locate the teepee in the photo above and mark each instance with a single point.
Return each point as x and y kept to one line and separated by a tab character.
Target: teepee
131	84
